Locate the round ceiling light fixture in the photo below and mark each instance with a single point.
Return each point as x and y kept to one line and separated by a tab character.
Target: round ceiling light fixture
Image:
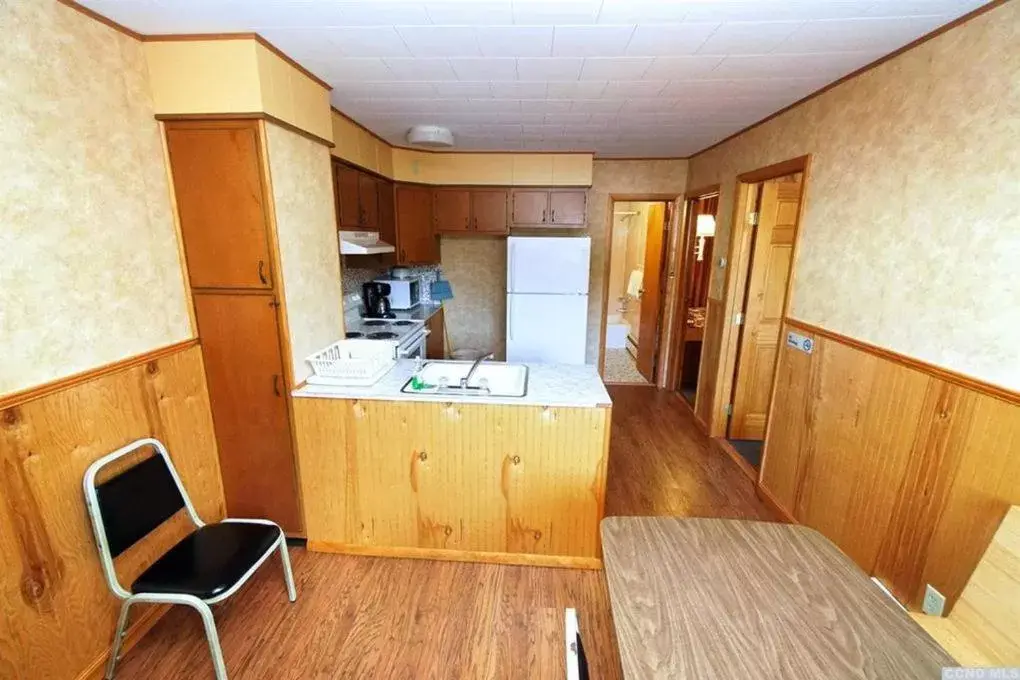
432	136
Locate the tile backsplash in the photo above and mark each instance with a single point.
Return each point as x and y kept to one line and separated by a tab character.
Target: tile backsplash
352	278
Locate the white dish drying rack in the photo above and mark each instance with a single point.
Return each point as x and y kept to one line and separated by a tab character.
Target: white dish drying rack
352	362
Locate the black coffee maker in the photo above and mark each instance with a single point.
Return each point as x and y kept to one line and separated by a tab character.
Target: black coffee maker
375	301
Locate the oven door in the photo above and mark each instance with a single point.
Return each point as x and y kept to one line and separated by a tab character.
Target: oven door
414	346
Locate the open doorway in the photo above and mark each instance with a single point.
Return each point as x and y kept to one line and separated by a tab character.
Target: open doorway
696	269
634	292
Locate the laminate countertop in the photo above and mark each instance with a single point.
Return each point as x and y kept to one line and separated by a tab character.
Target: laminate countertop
715	598
548	385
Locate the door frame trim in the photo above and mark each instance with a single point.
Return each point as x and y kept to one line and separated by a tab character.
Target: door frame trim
666	301
733	293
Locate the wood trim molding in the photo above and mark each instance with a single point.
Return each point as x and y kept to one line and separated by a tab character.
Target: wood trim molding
850	76
780	169
134	634
32	393
702	192
774	505
247	115
723	445
96	16
990	389
526	559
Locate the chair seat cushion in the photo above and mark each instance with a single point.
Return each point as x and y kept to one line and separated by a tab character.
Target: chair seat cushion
209	561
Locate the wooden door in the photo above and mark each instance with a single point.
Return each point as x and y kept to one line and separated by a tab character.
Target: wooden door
368	199
416	243
763	312
247	391
451	210
387	220
529	208
348	190
435	345
488	211
217	175
651	294
568	208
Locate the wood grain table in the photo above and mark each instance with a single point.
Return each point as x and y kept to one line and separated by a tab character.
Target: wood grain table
717	598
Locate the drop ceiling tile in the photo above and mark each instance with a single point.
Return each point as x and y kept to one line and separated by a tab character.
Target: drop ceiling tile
828	65
346	41
615	68
845	35
482	68
643	11
682	68
649	105
906	8
626	89
545	105
520	90
776	10
359	69
653	40
555	12
421	69
585	89
440	41
515	41
476	90
749	37
475	13
391	90
380	13
493	106
591	41
549	68
567	119
520	117
597	105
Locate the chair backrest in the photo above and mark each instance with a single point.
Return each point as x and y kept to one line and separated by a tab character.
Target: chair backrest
127	507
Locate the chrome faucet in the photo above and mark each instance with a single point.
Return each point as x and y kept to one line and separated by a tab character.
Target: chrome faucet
474	367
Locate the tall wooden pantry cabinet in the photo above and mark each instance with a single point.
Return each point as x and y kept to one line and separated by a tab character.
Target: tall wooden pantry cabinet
219	179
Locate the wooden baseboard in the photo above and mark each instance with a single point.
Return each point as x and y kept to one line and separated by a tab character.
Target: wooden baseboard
745	467
690	409
774	505
135	633
524	559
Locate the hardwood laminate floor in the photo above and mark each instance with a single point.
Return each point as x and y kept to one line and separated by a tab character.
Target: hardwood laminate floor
364	617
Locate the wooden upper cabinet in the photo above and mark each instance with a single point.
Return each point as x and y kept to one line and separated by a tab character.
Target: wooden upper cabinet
416	242
451	210
248	394
488	210
348	189
568	208
529	208
224	231
368	198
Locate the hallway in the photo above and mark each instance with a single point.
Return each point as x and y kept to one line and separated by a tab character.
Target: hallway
364	617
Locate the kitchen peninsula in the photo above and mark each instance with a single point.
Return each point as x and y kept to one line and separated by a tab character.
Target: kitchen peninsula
515	480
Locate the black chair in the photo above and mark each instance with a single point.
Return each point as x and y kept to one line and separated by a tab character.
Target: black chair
205	567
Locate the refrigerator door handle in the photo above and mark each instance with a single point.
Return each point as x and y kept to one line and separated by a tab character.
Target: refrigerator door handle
510	318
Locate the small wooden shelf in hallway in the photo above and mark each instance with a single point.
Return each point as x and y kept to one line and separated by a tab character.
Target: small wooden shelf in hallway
368	617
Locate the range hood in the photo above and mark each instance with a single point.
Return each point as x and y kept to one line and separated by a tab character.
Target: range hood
363	243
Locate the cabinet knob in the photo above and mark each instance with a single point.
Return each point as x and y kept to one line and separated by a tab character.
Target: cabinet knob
423	456
276	385
516	460
553	215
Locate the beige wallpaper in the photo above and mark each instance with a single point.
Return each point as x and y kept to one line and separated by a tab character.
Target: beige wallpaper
911	232
306	230
89	271
476	316
620	177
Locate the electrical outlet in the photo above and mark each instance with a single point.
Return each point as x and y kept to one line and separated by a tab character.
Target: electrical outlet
934	601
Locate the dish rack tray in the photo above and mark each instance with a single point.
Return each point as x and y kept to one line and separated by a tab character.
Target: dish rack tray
353	362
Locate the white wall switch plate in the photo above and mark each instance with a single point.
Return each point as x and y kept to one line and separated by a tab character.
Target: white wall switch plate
934	601
800	342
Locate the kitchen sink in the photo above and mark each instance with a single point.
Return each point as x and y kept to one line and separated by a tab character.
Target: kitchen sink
490	379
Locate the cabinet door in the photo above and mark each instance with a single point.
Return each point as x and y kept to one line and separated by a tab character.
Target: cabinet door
568	208
435	345
488	210
416	244
387	220
451	210
348	189
368	196
217	176
530	208
243	364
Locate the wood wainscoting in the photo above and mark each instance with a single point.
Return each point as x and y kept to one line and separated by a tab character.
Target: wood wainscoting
488	483
58	614
907	468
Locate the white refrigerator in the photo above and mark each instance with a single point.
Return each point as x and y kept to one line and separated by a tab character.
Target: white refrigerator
547	299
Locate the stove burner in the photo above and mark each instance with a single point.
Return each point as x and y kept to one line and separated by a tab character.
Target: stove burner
375	322
382	335
403	322
354	334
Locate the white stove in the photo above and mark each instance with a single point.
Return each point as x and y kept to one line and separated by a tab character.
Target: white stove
406	336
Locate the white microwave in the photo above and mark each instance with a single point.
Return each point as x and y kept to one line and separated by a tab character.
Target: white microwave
404	293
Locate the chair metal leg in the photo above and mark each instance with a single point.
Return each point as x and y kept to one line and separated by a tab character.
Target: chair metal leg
118	639
213	637
288	575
